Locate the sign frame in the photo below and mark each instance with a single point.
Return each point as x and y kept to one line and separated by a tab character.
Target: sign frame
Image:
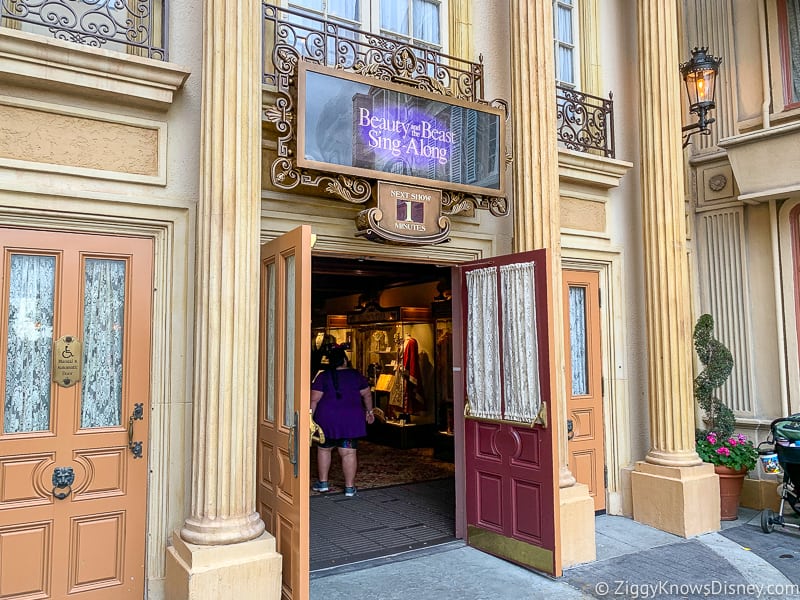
304	67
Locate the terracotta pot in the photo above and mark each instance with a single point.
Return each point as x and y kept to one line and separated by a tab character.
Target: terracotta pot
730	488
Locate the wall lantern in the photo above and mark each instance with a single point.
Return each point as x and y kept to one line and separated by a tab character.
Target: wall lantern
700	76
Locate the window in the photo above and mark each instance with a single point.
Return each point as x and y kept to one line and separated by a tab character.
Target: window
789	23
414	21
347	12
566	54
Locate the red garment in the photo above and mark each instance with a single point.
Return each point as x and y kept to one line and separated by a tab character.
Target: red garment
413	377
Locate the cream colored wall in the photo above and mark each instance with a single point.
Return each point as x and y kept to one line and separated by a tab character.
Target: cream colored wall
627	420
114	150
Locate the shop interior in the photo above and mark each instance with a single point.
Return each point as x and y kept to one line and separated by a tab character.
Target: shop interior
396	318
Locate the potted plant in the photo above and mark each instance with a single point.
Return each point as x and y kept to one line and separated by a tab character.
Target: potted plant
732	458
732	455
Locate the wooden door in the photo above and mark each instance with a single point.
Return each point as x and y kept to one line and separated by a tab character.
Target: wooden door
73	465
511	463
284	402
584	382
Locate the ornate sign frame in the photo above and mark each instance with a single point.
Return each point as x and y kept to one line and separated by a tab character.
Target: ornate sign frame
334	45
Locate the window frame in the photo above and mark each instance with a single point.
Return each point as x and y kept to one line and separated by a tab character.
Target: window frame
370	21
787	79
575	45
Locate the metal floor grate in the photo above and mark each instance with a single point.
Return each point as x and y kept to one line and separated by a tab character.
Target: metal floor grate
379	522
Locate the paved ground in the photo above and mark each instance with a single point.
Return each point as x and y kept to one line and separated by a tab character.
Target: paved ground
380	521
633	561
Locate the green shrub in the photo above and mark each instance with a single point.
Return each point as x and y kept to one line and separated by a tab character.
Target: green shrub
718	364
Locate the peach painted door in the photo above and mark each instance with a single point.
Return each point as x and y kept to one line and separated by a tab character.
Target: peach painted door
284	392
75	319
584	382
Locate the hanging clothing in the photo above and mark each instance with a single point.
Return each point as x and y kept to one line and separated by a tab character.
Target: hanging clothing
413	377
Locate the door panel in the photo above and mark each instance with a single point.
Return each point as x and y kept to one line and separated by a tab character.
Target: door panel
584	381
72	492
284	402
510	467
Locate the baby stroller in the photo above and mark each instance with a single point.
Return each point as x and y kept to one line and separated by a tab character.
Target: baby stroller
785	437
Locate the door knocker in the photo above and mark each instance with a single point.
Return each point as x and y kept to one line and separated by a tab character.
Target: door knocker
63	478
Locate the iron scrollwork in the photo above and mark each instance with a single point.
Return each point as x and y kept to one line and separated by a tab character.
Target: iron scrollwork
300	36
127	25
63	478
585	122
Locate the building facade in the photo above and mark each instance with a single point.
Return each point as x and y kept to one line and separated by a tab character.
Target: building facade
149	152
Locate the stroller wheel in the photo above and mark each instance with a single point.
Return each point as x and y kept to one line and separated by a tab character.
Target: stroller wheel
767	525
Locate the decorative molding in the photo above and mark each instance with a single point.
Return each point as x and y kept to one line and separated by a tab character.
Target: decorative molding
591	171
63	66
160	127
725	295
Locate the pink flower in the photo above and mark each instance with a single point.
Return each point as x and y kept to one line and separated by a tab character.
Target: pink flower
712	438
732	441
724	451
742	438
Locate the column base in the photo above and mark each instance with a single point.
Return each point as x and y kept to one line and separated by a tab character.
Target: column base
577	525
244	571
680	500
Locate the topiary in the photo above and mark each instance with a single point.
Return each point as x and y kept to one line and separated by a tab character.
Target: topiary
718	363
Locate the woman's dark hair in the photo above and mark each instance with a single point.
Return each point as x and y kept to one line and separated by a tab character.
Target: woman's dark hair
336	358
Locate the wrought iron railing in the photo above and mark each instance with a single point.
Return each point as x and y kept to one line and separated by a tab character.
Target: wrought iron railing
293	34
131	26
585	122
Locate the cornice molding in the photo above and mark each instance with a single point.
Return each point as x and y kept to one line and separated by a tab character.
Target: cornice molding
42	62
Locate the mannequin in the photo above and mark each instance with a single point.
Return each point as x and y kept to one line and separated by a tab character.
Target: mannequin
411	374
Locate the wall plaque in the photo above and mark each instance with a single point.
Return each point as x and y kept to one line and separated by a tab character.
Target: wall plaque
67	360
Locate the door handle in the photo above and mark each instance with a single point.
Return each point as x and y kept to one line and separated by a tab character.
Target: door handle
137	415
570	429
293	444
63	478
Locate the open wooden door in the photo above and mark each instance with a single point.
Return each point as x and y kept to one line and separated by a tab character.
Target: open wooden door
511	469
585	382
284	402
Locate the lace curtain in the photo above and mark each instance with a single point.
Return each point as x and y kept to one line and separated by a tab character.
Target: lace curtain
577	340
103	320
30	343
483	344
520	343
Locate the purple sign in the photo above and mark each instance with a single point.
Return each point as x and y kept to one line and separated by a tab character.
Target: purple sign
382	131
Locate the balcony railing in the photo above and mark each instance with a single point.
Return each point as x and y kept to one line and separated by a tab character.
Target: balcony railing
291	34
585	122
130	26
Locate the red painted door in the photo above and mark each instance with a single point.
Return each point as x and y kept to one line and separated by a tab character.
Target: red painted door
510	463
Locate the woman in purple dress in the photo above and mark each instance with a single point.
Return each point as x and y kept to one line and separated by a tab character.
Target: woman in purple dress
341	403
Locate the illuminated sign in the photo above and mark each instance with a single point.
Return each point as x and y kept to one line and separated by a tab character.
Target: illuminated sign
372	128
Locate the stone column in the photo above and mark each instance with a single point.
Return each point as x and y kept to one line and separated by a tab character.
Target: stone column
537	224
222	550
672	489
